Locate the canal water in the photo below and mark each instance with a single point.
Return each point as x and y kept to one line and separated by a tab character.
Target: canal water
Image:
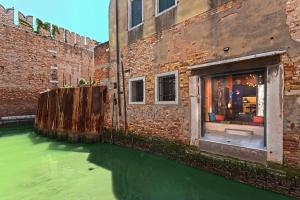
36	168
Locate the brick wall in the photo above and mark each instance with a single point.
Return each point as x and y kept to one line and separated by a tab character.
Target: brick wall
202	39
26	59
291	64
293	18
169	50
102	63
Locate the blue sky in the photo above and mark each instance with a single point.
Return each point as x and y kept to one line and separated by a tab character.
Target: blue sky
85	17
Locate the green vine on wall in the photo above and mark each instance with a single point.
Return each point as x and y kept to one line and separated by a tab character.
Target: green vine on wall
43	25
55	30
24	23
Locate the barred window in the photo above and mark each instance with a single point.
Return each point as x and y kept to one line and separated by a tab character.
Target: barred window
166	91
165	5
137	90
135	12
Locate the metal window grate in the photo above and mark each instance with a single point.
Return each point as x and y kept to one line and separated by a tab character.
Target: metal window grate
166	88
137	91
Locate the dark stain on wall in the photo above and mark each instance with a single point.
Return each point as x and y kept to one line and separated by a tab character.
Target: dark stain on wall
96	101
135	34
214	3
165	20
75	112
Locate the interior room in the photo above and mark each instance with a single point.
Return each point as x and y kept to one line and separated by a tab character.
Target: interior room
235	109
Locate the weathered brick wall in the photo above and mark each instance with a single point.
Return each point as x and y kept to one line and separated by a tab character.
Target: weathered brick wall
170	50
102	63
293	18
201	39
292	90
26	59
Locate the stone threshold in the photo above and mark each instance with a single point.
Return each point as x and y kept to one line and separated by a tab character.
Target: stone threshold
234	151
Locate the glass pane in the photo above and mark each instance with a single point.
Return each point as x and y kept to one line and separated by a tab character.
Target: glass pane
234	109
235	99
137	91
165	4
136	12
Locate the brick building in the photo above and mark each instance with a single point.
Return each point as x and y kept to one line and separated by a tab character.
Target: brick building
35	59
221	75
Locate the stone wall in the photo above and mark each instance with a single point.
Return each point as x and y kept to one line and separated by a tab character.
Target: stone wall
32	61
201	39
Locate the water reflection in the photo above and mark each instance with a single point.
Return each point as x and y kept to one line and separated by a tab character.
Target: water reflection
142	176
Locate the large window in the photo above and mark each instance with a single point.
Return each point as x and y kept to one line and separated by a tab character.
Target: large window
167	88
164	5
235	105
135	13
137	91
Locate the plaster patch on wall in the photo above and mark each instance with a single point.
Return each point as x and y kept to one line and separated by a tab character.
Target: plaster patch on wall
298	100
293	18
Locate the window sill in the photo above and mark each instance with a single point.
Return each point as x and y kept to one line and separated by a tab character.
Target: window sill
136	26
137	103
166	102
157	14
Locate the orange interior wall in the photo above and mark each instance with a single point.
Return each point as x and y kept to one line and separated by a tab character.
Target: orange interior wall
208	97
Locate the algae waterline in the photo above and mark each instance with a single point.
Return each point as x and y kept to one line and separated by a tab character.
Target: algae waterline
32	167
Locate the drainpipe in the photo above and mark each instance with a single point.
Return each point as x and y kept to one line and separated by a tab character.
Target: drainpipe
124	100
118	59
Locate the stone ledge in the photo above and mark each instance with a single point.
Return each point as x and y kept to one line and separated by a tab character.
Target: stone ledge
242	153
16	120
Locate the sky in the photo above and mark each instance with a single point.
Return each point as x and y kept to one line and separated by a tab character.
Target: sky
86	17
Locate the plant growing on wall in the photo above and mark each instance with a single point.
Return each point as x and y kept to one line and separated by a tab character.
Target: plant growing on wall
82	82
67	86
54	30
24	23
43	25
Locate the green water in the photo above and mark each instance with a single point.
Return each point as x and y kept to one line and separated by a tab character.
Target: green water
35	168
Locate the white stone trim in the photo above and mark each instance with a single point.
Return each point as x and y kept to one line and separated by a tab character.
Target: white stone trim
239	59
274	113
130	90
54	67
54	82
129	22
157	13
52	51
176	88
195	100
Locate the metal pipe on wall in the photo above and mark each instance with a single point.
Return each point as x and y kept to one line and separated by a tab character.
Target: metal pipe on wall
118	58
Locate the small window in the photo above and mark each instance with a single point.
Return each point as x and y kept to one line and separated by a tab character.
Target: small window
135	13
167	88
137	91
164	5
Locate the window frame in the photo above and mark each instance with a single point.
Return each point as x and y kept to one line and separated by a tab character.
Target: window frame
129	24
157	76
263	69
157	13
130	90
